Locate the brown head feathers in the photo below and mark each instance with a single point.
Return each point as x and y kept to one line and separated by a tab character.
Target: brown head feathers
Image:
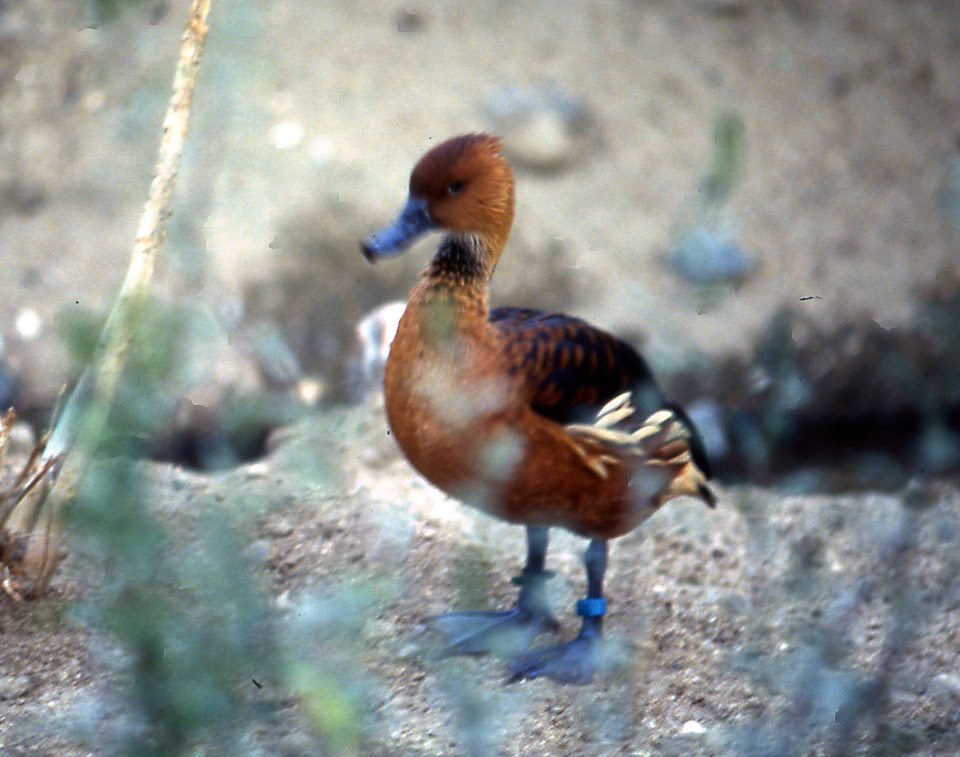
468	188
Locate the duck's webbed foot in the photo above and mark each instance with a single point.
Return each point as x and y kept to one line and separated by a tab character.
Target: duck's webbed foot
500	631
572	662
576	661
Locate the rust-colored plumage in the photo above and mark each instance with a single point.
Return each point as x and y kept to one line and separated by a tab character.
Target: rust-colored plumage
539	419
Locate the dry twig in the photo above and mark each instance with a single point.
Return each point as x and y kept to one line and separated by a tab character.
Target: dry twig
55	467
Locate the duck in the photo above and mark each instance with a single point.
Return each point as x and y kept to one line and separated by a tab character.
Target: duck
539	419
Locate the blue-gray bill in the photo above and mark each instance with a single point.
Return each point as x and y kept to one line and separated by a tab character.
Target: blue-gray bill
414	220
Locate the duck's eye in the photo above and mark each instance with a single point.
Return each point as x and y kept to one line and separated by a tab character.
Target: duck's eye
455	187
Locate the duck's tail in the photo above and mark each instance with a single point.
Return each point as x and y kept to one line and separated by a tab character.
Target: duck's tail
664	439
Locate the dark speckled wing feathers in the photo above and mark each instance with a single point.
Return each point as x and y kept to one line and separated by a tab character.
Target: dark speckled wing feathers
571	368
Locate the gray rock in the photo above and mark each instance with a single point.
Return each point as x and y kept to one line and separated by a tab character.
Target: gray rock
945	686
278	528
709	256
544	128
15	687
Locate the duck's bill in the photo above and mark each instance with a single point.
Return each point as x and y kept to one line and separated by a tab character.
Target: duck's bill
414	221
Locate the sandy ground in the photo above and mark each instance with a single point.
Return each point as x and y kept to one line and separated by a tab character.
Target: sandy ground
851	116
752	622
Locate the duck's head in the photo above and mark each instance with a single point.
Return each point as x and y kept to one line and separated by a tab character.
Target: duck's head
462	186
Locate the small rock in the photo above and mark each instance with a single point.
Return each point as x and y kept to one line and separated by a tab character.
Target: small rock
287	135
15	687
692	728
94	100
378	630
28	323
409	21
544	128
710	256
276	438
542	142
257	553
945	686
278	528
409	652
27	75
256	470
310	390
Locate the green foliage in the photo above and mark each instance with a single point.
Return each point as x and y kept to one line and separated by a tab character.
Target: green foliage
79	328
322	656
729	146
194	623
177	596
705	247
832	701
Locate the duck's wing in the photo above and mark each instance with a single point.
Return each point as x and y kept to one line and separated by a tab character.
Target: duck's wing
665	440
571	369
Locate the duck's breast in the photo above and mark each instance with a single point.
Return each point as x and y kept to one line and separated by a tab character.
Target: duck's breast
447	403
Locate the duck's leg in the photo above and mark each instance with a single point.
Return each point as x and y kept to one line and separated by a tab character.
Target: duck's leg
578	660
505	631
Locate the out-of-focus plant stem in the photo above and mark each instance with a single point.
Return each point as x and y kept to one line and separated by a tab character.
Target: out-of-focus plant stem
120	329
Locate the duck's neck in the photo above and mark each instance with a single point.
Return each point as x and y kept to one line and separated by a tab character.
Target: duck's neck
461	264
451	297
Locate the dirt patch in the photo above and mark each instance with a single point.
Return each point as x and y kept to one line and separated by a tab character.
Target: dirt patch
759	622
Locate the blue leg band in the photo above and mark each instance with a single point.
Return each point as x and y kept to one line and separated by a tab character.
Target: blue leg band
591	607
